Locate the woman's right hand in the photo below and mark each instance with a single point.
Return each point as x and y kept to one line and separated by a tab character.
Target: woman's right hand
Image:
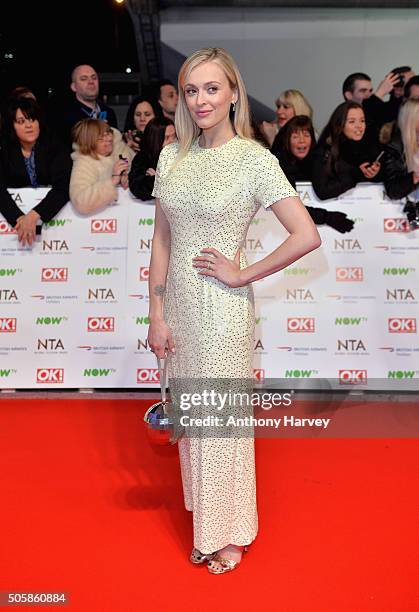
129	139
120	166
370	171
160	339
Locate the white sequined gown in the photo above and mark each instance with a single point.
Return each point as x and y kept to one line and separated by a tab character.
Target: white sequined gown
209	201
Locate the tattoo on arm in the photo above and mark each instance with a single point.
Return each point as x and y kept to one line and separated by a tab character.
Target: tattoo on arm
159	290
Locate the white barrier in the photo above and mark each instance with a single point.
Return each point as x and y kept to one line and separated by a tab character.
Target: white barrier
73	308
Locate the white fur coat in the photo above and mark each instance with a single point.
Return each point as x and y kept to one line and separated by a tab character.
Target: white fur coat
91	187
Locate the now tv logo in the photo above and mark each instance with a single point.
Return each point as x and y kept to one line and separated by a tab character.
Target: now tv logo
7	325
402	325
103	226
50	375
352	274
101	324
57	275
147	375
352	377
300	324
399	224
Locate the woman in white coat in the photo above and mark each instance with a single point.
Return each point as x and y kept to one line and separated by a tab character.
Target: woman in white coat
101	162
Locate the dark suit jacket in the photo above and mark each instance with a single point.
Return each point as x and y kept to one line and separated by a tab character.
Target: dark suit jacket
63	116
53	168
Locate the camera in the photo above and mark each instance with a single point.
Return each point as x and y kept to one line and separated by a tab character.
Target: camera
412	213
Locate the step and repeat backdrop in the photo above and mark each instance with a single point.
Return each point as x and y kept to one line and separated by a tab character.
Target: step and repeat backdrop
73	307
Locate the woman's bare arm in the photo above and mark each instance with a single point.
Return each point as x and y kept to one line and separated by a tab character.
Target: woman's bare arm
160	254
303	238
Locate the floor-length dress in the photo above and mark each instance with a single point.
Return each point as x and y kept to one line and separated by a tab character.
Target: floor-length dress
209	200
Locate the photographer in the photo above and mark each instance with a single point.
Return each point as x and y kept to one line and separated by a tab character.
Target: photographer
101	164
402	161
345	155
140	112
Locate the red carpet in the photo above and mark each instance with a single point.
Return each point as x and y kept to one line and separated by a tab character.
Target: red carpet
90	508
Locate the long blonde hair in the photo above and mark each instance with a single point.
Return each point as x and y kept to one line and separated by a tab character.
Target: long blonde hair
186	129
408	121
298	102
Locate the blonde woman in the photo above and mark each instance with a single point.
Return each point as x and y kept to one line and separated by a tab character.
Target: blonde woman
289	103
101	163
402	155
208	187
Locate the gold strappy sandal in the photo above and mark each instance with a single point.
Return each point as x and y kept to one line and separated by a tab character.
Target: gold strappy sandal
197	557
221	565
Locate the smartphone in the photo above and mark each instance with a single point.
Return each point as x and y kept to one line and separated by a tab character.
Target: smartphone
377	158
380	155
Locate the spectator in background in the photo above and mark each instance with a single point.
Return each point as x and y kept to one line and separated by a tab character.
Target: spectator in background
402	160
101	164
167	98
411	89
140	112
83	104
158	133
357	87
21	91
289	103
29	157
345	155
293	148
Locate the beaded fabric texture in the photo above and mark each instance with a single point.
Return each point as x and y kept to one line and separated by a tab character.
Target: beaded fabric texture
209	200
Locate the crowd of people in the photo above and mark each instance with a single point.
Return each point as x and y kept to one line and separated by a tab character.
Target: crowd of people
77	149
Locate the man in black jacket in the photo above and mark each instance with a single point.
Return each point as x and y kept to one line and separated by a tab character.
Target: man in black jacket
357	87
85	104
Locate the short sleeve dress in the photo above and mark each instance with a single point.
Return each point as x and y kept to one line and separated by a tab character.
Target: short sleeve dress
209	200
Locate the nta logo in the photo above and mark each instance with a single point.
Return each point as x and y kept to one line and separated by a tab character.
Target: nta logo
103	226
54	245
300	324
347	244
299	294
402	295
101	324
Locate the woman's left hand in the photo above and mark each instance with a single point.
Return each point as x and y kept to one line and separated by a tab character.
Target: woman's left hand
26	227
215	264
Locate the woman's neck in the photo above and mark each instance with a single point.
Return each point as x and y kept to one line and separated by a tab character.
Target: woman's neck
26	148
216	136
